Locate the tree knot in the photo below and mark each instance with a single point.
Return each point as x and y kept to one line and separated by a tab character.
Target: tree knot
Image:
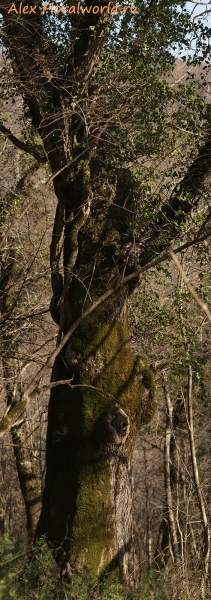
118	426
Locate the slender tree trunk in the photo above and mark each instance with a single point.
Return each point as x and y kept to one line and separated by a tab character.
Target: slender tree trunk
169	461
30	482
201	503
170	526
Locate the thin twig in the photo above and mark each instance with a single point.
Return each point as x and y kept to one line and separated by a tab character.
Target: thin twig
200	302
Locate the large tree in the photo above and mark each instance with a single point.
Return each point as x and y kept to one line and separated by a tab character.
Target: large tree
94	89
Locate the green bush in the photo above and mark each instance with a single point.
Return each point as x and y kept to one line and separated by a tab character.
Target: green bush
24	570
26	574
12	556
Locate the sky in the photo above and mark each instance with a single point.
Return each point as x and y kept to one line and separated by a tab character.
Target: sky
201	8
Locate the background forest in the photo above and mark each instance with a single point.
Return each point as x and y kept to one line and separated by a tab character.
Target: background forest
101	116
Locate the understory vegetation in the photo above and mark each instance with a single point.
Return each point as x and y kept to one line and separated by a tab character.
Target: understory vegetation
37	577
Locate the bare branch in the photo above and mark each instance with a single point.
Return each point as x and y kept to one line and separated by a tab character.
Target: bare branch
68	382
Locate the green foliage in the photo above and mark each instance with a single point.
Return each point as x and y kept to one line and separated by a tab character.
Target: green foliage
11	558
36	571
28	575
24	571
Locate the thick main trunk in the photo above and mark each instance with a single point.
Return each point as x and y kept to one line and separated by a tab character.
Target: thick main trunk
91	432
91	429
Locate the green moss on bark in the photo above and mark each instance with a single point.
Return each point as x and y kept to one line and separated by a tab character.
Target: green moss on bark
13	415
79	501
78	485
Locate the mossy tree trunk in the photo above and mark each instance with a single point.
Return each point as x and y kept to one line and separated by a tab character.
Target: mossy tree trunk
91	429
87	499
29	480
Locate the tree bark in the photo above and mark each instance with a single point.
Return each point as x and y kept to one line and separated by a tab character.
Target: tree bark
88	491
30	483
